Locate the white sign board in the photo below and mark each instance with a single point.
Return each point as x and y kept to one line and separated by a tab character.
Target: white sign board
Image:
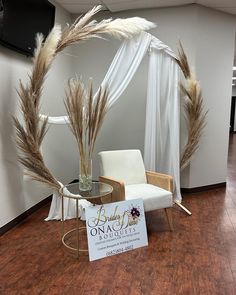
115	228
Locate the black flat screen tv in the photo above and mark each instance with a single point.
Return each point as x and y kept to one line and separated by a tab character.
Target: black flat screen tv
21	20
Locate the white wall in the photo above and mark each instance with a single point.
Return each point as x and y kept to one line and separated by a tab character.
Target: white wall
214	62
17	193
208	38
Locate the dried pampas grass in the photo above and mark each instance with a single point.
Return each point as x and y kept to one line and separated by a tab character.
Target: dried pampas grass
86	115
83	29
30	134
195	114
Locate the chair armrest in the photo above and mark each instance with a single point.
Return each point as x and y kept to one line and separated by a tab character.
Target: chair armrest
118	193
164	181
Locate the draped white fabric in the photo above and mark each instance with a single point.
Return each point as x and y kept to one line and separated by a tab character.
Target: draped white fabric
55	212
162	114
125	65
161	147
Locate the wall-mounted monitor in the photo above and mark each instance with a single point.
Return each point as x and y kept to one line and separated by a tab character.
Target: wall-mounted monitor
20	20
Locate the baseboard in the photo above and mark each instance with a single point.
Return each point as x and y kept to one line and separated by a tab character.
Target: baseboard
199	189
24	215
47	200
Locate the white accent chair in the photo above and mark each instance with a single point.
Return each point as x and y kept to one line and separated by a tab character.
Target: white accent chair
124	170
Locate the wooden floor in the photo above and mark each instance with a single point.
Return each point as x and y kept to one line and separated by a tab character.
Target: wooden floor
199	257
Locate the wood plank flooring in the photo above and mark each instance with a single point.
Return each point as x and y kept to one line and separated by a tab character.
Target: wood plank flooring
199	257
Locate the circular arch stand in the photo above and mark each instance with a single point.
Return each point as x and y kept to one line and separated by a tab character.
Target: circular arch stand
147	42
178	203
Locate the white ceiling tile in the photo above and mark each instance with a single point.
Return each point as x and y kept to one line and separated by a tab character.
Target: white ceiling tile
173	2
75	6
81	6
150	2
78	2
218	3
231	10
119	5
228	6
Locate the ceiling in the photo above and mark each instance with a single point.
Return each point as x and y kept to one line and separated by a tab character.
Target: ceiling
81	6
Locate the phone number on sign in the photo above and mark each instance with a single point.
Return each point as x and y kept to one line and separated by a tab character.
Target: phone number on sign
119	250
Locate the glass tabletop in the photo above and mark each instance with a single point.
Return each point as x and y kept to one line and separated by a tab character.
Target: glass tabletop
99	189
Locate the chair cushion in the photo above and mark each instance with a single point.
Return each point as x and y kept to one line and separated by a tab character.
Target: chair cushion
125	165
153	196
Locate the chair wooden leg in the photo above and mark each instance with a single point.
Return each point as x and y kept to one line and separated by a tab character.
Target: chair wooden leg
168	213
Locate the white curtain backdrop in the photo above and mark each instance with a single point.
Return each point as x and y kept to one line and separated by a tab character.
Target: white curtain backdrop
125	65
161	147
162	115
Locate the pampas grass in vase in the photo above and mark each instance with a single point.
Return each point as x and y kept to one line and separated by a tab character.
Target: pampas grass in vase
86	114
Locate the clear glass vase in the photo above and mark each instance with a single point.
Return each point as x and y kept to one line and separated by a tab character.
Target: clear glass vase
85	175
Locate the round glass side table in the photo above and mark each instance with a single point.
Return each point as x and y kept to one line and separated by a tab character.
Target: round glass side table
99	194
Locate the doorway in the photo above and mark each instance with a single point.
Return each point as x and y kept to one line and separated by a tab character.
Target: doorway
232	115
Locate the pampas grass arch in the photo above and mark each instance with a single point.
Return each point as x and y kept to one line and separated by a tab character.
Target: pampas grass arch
30	134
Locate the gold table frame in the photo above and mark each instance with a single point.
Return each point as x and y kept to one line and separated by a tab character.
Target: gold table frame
94	196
